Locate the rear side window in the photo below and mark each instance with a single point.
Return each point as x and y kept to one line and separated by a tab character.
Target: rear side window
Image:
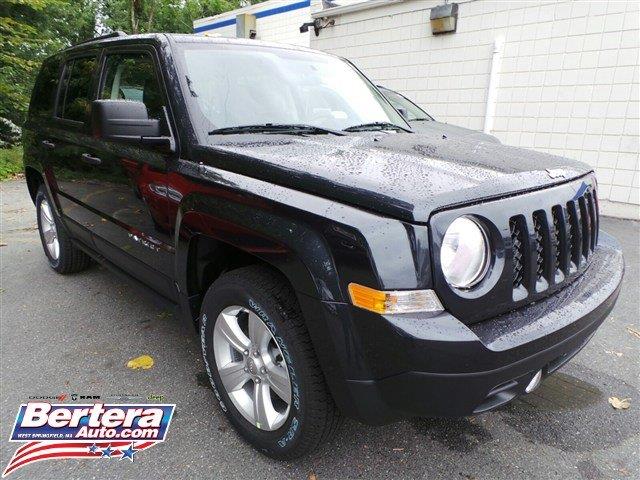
44	91
75	95
132	76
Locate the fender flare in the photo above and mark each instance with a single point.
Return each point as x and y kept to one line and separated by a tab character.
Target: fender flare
293	247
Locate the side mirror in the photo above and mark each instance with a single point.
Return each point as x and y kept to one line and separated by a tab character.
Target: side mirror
403	112
128	122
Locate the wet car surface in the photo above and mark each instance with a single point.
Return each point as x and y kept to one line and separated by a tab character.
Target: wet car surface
422	122
565	429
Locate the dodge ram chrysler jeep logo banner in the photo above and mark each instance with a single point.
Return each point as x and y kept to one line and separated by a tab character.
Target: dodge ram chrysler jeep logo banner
86	431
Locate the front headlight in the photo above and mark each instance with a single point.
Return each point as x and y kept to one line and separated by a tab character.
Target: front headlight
464	255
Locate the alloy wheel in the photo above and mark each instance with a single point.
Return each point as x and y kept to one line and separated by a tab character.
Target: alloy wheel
252	368
49	230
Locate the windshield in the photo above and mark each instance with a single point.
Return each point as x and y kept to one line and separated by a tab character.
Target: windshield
236	85
413	111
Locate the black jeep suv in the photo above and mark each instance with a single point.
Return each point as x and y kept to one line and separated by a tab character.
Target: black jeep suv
333	261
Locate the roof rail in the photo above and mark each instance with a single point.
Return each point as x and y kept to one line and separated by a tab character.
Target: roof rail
117	33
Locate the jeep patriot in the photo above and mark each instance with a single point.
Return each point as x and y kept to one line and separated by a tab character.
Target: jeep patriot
333	261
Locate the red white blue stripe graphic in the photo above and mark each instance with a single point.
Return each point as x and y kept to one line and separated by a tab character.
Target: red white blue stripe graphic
86	431
36	451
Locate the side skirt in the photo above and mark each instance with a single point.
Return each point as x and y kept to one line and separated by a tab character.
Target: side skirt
156	297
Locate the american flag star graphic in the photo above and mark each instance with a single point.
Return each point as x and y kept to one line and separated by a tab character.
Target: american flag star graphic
48	450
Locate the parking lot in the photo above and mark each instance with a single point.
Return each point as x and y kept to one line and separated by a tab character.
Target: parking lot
75	334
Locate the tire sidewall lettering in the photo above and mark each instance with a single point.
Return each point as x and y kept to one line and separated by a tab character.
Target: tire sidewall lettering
295	389
203	343
294	422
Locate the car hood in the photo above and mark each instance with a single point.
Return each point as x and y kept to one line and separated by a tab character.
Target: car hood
405	175
433	127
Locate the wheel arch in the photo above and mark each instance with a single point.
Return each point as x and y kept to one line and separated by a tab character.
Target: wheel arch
208	258
305	237
34	179
208	246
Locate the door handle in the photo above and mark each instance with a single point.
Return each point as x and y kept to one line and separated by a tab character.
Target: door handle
48	144
86	158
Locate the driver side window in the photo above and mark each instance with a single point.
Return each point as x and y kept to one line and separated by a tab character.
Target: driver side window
132	76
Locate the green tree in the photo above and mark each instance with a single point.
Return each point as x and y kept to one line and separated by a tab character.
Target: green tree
31	30
142	16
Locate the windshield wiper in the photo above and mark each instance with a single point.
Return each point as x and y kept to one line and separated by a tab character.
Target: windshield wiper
375	126
275	128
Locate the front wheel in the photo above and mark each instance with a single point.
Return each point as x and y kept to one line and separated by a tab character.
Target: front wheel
262	365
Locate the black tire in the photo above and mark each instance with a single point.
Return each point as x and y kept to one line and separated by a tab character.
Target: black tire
70	258
313	417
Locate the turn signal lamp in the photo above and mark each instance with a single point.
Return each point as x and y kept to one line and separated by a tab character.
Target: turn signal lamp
394	301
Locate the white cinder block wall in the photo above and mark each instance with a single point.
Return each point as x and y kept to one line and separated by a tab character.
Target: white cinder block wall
277	21
568	83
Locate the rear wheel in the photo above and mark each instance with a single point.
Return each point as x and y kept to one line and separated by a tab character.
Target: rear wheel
63	256
262	365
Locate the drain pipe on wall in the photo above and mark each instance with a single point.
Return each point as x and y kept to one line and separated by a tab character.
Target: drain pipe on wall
494	82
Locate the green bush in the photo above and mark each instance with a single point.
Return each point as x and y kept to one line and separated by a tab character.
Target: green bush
9	133
10	162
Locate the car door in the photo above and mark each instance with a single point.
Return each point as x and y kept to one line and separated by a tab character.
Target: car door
64	143
128	192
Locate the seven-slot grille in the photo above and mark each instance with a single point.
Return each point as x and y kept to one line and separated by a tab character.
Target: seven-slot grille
563	237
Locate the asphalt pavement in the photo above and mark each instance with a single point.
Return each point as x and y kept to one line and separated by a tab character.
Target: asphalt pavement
75	334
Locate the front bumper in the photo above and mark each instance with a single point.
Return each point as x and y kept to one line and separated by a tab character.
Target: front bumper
382	368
